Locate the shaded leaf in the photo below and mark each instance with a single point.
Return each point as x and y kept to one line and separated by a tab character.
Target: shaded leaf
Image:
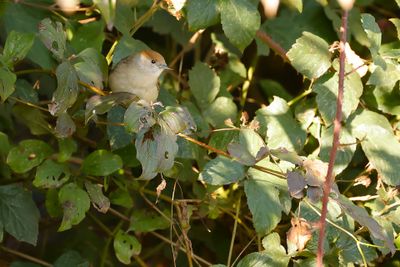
66	148
144	222
67	88
17	47
178	119
65	126
4	144
107	10
156	150
51	174
296	184
7	83
240	21
89	35
121	197
204	84
125	246
71	258
99	201
127	46
221	109
34	119
274	254
310	55
374	34
249	149
75	203
117	135
53	37
139	116
27	155
202	14
222	170
101	163
19	215
92	67
221	139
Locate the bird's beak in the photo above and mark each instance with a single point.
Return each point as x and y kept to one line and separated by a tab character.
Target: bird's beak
165	67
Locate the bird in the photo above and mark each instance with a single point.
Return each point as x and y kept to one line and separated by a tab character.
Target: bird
138	74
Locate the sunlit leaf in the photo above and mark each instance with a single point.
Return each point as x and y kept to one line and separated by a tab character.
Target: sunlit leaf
386	78
202	14
66	148
222	170
139	116
281	128
378	143
7	83
221	109
310	55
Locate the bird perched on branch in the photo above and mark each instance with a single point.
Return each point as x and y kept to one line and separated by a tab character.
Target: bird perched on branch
138	74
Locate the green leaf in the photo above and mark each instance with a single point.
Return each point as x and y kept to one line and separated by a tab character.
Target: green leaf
126	246
240	21
282	30
17	47
273	88
67	88
222	170
122	198
99	201
281	128
101	163
75	202
327	87
383	99
295	4
51	174
53	37
66	148
204	84
221	139
263	200
378	143
53	207
156	150
249	149
107	10
144	222
221	109
396	23
117	135
89	35
4	144
202	14
178	119
65	126
19	215
27	155
34	119
386	78
310	55
274	254
125	16
92	67
362	217
71	258
7	82
25	91
127	46
373	32
344	154
139	116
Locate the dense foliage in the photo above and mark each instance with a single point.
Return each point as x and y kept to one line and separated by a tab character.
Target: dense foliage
229	170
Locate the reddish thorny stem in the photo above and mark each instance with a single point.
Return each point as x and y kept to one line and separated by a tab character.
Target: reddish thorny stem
335	143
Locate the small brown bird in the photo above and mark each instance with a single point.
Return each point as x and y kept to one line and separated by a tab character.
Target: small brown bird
138	74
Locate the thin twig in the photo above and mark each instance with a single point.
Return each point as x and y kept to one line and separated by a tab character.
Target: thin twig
228	264
25	256
335	143
272	44
192	41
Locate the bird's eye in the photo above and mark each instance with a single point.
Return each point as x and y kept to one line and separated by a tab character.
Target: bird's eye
153	61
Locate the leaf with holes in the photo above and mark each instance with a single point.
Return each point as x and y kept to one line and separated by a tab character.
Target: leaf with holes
53	37
126	246
51	174
16	47
139	116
